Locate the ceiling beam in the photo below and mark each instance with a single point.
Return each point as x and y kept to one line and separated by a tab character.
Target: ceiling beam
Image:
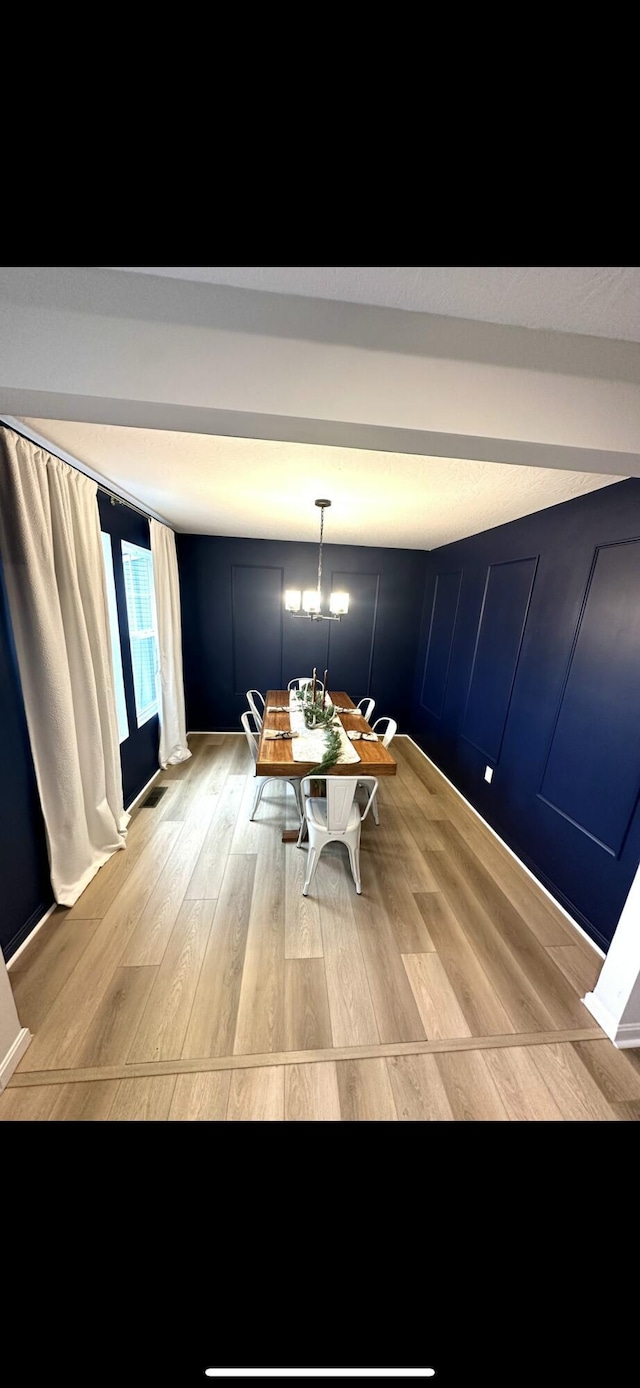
101	346
193	419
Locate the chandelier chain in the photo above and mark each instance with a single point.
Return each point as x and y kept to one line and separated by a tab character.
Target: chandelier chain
320	551
312	602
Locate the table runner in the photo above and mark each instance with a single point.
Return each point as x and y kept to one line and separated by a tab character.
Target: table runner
310	744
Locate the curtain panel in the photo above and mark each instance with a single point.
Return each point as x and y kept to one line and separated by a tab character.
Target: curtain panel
173	726
54	572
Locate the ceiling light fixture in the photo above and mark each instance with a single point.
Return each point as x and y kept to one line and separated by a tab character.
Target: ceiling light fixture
308	603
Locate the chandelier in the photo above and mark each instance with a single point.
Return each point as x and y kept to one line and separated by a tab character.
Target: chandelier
309	603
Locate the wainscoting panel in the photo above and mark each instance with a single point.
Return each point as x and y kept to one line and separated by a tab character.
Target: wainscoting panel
444	611
501	627
544	684
257	612
351	641
592	775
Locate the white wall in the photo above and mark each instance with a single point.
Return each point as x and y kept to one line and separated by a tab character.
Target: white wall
615	1000
14	1039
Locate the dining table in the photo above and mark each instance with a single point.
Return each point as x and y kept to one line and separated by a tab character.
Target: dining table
275	756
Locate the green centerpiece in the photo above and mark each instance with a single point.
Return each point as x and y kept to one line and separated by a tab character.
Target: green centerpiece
324	719
333	744
320	713
317	715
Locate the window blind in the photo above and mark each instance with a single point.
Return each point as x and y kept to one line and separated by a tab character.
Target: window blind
138	581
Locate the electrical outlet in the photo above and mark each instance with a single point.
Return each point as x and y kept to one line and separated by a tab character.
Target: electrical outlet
488	773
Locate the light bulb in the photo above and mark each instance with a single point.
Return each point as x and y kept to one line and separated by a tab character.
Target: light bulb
339	604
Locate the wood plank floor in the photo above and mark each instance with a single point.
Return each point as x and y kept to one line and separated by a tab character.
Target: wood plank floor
192	981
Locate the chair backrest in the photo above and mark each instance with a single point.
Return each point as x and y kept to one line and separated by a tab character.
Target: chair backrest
366	707
251	733
303	680
392	728
340	792
255	701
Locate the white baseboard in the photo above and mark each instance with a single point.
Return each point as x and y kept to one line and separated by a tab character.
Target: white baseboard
14	1054
144	789
603	1016
628	1034
38	926
212	732
518	860
623	1034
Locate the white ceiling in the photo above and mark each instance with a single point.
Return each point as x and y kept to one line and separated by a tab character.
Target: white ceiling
599	300
256	487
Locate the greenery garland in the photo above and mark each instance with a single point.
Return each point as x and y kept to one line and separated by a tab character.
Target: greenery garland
333	747
324	719
315	716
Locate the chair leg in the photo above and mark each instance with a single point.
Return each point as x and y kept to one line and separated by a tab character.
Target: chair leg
298	798
258	795
303	823
374	811
354	859
311	867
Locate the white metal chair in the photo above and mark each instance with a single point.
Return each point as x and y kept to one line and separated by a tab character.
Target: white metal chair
335	817
391	730
255	701
303	680
366	707
252	738
386	738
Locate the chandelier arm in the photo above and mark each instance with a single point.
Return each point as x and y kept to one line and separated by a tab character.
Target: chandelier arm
317	616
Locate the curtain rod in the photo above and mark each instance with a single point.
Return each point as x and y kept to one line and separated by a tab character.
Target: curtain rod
41	442
120	501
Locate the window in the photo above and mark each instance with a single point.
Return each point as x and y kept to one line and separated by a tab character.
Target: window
141	610
116	653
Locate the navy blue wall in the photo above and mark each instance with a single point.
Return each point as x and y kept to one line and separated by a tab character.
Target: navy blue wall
25	886
237	635
139	754
529	662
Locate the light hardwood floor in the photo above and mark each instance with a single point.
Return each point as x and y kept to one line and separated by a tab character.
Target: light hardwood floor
193	981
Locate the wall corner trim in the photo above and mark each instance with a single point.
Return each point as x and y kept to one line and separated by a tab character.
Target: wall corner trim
14	1055
623	1034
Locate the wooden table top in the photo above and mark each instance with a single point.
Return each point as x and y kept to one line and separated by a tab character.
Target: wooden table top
276	758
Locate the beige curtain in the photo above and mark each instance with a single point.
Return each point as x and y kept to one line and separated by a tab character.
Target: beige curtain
54	571
173	727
